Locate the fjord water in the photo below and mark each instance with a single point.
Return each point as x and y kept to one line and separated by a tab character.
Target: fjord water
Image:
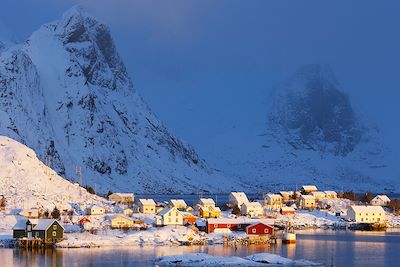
333	248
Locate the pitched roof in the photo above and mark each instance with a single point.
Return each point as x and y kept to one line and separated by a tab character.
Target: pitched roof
251	225
381	197
166	210
147	201
270	195
287	208
330	192
178	202
20	225
122	216
309	187
359	208
208	201
252	204
240	196
240	220
44	224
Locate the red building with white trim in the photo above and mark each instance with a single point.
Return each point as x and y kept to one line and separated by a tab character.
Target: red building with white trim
259	228
234	224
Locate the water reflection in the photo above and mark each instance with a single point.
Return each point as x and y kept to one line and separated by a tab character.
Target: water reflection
338	247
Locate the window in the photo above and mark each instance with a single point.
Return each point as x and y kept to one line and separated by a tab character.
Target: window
266	230
36	234
228	226
54	233
215	225
55	227
169	219
362	219
177	214
176	220
254	230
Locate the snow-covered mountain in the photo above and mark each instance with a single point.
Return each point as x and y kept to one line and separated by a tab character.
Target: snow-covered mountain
314	135
66	94
28	183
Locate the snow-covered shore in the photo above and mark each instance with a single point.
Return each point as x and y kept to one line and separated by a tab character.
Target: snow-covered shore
260	259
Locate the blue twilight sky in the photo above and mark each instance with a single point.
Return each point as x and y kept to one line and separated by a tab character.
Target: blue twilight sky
206	67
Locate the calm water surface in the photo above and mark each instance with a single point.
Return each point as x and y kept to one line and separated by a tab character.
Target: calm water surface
338	247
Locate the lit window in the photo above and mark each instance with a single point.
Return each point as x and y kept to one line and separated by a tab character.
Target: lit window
54	233
55	227
254	230
266	230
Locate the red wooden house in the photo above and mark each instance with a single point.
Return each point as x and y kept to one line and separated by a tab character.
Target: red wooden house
259	228
233	224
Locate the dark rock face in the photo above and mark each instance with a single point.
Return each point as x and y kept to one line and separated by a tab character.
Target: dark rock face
315	114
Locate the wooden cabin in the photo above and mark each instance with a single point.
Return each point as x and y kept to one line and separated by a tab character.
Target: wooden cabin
169	216
48	230
380	200
122	198
206	203
307	202
147	205
287	211
237	199
330	194
209	212
124	222
366	214
251	209
95	210
259	228
273	201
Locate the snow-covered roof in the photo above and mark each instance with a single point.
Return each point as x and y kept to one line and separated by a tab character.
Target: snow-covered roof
285	208
44	224
239	220
166	210
369	209
330	192
207	201
178	202
252	205
147	201
21	224
307	197
309	188
240	196
251	225
286	192
384	198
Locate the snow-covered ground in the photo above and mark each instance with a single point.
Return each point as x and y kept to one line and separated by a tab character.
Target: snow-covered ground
260	259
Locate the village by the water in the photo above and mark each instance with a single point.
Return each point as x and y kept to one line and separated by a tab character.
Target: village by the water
242	221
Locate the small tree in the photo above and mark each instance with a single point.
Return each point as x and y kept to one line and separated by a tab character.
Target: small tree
394	205
55	214
236	210
2	203
350	195
46	214
90	190
109	193
366	198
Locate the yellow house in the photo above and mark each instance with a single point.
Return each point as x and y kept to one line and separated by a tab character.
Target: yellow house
122	198
147	206
209	212
127	212
307	202
121	221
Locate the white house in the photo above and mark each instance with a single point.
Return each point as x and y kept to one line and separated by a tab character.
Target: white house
330	194
207	203
147	205
307	202
273	201
177	203
95	210
252	209
318	194
237	199
366	214
380	200
169	216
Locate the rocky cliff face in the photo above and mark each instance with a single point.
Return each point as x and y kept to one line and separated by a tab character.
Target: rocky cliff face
66	93
314	114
